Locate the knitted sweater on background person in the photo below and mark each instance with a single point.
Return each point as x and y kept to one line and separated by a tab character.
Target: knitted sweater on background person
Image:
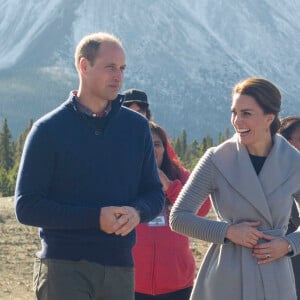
73	169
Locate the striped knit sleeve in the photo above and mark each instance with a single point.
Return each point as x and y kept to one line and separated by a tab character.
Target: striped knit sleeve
183	217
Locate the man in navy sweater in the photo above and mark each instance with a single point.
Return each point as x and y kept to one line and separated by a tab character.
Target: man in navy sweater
87	178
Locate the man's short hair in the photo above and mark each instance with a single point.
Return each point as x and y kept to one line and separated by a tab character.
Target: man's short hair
89	45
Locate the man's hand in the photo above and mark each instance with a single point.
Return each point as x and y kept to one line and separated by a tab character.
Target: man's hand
127	222
118	220
109	216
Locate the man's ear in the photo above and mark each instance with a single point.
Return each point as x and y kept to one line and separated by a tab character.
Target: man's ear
83	65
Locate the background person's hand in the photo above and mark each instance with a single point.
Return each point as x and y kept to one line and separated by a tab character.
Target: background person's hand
164	180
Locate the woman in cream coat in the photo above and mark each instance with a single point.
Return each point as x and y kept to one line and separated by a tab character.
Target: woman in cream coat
253	179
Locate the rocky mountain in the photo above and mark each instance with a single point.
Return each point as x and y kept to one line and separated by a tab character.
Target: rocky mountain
186	55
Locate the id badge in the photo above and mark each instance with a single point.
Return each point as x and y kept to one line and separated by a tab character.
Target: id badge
160	220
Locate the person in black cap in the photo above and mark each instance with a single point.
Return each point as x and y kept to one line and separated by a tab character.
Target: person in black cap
290	130
155	240
137	100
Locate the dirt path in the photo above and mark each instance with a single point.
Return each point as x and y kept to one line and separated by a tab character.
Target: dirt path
18	245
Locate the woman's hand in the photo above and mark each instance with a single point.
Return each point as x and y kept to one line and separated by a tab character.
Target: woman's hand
164	180
275	248
244	234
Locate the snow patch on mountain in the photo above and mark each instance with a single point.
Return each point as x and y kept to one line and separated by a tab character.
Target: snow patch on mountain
186	55
22	22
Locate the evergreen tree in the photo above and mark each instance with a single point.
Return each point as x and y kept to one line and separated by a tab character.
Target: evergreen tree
10	155
4	182
191	155
194	148
227	133
183	142
209	141
6	148
177	147
202	147
20	143
206	143
7	184
221	138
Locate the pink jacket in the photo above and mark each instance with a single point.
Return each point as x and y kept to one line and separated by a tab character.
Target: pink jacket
163	260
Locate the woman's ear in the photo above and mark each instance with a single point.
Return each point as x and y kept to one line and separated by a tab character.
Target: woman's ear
270	118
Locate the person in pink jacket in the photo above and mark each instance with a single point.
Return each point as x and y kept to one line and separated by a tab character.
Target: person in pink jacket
164	262
137	100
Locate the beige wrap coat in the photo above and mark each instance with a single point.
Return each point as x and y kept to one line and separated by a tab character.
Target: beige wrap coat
229	271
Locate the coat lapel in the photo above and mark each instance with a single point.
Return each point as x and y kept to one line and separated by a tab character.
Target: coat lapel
233	161
276	171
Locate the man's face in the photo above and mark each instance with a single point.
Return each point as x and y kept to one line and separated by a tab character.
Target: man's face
104	78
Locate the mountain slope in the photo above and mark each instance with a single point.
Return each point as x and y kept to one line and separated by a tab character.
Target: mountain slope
186	55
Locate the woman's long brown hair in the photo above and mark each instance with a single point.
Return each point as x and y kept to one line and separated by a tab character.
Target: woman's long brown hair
171	167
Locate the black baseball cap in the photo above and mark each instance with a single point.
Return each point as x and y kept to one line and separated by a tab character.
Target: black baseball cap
134	95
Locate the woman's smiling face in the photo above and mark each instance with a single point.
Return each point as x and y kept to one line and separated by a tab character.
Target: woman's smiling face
251	124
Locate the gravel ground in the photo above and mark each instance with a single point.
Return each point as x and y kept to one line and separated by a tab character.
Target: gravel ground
18	244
